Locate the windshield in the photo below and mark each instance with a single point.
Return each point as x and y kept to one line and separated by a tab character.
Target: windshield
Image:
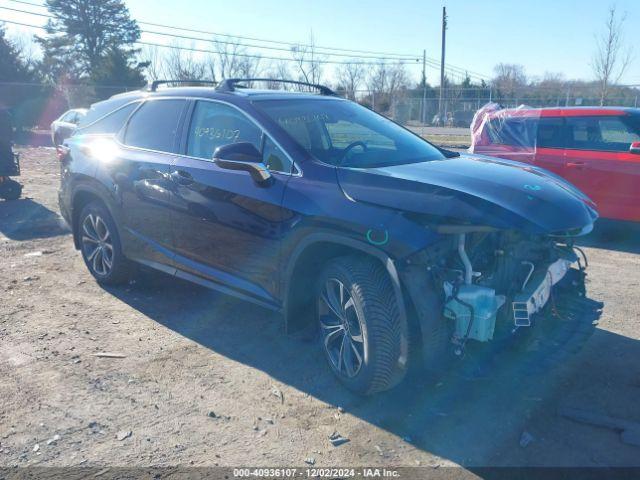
344	133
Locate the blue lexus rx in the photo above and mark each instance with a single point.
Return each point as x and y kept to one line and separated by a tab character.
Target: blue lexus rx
389	249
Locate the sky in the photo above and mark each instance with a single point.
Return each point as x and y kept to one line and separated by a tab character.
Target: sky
542	35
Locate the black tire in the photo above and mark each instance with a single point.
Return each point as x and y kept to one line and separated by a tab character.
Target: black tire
384	334
109	266
10	190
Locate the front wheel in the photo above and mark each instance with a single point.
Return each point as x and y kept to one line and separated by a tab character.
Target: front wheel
100	245
362	334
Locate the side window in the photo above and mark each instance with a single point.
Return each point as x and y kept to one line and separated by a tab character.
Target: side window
112	123
274	158
601	133
155	125
68	117
518	132
215	124
617	135
550	133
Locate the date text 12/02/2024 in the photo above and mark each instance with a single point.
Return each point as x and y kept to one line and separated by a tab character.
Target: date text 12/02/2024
315	472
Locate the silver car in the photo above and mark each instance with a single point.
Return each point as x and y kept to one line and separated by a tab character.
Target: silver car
66	124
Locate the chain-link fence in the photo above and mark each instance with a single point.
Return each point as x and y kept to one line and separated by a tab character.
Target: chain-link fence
458	105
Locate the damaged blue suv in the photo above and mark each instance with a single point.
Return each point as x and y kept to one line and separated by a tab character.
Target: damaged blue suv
394	250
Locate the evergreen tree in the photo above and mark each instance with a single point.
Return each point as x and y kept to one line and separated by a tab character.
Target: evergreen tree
119	69
87	37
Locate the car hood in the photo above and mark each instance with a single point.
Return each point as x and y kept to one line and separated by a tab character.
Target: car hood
475	190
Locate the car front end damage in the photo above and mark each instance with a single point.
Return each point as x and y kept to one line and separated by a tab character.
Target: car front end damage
489	286
491	246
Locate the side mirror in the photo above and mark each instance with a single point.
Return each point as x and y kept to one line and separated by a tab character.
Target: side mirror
635	148
242	156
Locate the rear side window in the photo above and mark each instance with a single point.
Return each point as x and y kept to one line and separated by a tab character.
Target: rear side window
614	134
551	133
215	124
154	125
517	132
112	123
68	117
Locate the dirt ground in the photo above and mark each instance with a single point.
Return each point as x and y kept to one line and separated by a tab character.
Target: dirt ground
207	380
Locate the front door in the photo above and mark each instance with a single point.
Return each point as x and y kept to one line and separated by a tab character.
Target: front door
227	228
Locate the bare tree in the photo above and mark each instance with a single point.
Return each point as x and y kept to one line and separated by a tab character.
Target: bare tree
308	60
611	58
27	49
278	70
234	61
509	79
398	80
350	75
378	79
156	68
181	64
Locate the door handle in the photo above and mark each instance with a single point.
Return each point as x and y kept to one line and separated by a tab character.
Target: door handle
577	165
181	177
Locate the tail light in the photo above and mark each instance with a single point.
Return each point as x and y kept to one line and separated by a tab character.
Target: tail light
635	147
62	152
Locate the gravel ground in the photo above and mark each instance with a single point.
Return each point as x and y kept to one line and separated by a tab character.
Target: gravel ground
207	380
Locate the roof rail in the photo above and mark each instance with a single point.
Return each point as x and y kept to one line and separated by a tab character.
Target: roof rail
153	86
230	84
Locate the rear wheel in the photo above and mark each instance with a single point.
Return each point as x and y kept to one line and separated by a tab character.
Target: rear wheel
100	245
362	335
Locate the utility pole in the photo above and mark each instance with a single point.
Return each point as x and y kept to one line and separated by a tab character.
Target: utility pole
444	38
423	117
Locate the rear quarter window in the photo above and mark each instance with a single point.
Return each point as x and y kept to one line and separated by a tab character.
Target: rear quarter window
112	123
517	132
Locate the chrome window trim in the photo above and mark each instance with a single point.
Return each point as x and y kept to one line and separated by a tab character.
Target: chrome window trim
137	100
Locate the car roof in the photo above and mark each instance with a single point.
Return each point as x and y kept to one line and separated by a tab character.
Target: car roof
566	112
213	93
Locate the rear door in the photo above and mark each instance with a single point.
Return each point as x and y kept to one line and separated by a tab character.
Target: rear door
227	228
550	145
150	140
598	161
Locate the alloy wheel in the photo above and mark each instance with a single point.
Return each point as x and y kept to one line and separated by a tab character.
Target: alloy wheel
341	328
97	244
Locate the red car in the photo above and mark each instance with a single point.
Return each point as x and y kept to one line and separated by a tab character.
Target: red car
595	148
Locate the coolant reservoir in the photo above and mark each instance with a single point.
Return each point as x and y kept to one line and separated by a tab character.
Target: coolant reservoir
485	305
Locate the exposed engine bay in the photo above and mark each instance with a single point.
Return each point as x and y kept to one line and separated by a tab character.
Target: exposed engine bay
496	282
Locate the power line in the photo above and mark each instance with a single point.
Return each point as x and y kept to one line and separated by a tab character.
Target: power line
244	55
186	37
452	69
278	42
